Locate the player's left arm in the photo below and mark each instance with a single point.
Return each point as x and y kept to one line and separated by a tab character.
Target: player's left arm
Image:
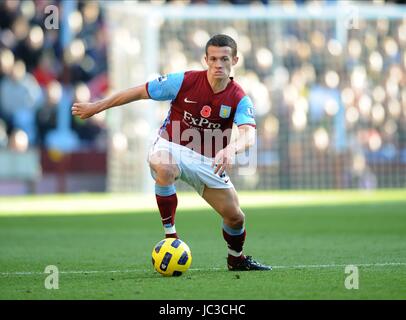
244	119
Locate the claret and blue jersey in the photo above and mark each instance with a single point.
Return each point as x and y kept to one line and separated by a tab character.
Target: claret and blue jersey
195	106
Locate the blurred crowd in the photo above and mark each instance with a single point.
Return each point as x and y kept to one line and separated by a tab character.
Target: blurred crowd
39	72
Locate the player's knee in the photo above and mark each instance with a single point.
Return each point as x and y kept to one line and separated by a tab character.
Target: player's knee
235	219
160	158
166	174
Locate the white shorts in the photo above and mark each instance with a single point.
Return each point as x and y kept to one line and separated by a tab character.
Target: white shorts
195	169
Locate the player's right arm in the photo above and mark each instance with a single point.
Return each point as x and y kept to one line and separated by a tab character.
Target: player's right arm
85	110
161	89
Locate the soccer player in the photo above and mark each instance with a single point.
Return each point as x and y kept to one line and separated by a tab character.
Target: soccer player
194	142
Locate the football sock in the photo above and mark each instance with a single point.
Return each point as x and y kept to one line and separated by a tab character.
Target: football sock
167	202
235	241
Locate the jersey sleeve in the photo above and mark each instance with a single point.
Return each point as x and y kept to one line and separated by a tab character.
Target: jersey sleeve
165	87
245	112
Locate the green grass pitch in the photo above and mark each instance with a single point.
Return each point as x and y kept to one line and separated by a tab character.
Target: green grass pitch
104	251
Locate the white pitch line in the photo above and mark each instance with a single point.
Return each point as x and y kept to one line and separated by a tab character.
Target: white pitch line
304	266
383	264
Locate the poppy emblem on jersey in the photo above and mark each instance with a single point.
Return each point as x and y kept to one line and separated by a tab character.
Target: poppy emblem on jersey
205	112
225	111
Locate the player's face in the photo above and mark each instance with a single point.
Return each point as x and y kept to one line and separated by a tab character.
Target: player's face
220	60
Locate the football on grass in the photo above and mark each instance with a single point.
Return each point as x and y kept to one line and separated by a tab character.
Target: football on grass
171	257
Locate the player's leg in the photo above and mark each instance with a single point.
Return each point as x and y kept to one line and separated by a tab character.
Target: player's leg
165	171
225	202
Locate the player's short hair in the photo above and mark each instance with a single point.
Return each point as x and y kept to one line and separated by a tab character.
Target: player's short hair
222	40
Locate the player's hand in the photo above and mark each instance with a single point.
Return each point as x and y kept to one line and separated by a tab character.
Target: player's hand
85	110
223	160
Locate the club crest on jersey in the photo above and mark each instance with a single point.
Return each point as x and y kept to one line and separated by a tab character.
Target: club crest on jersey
225	111
205	112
